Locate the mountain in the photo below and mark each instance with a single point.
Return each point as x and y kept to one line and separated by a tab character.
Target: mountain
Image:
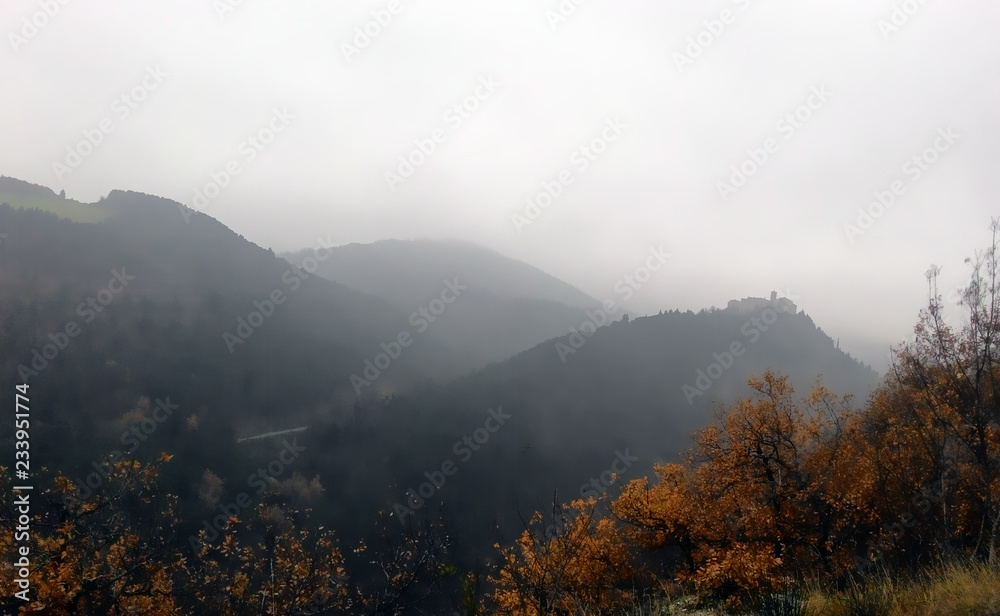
402	270
190	310
634	390
508	306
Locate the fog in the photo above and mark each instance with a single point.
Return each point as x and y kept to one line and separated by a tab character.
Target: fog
627	124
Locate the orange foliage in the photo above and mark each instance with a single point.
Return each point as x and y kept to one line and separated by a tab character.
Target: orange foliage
585	568
115	554
281	570
759	502
90	558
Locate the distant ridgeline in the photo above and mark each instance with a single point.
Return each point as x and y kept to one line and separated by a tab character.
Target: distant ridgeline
753	304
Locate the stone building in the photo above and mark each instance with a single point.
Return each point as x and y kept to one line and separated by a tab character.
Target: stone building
756	304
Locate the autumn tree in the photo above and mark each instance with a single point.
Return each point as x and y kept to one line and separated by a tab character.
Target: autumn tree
407	570
761	499
118	552
109	554
582	569
272	564
941	403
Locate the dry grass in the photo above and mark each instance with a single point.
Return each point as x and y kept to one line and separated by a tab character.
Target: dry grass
955	590
960	589
969	589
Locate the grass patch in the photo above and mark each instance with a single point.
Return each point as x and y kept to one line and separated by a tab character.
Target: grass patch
956	589
788	603
60	206
962	589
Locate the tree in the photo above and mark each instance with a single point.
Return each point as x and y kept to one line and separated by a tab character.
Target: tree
582	569
760	501
109	554
948	383
271	565
117	552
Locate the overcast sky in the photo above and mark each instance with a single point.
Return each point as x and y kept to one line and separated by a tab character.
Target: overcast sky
181	85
